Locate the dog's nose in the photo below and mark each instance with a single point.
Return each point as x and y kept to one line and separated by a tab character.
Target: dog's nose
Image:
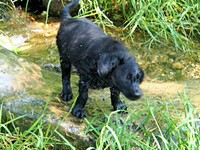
137	92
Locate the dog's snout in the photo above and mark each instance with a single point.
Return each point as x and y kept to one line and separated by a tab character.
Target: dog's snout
136	89
138	92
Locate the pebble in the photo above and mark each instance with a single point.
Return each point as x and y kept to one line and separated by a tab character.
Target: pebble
177	66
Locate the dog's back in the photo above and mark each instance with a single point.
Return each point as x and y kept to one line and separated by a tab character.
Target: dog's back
79	37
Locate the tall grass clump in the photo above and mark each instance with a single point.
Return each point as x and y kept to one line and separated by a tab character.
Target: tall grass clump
157	127
93	9
160	21
173	21
6	10
38	136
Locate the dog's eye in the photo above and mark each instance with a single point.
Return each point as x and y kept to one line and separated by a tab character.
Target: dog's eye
129	77
138	77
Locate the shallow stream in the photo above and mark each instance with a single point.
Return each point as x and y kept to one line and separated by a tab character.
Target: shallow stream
167	72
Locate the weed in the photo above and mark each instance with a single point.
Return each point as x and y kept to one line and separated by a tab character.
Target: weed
38	136
158	128
160	21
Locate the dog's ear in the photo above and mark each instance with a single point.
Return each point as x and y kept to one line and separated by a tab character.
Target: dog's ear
106	64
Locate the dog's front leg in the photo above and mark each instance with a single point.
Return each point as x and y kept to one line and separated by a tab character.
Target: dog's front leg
115	99
66	94
78	110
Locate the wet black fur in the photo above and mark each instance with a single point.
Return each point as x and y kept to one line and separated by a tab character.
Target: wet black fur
100	60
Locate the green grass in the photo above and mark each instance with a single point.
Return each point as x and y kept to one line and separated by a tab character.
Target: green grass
38	136
158	127
5	8
161	125
160	21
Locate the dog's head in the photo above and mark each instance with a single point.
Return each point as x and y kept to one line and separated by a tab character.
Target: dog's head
125	73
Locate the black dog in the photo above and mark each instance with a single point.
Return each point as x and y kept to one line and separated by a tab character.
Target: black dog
100	60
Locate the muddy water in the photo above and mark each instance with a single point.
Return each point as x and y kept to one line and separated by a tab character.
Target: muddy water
168	73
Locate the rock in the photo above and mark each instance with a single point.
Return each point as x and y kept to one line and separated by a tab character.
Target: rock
34	108
177	66
52	67
40	6
12	42
24	92
16	74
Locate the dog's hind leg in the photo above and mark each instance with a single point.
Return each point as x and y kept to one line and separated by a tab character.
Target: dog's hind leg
115	100
66	94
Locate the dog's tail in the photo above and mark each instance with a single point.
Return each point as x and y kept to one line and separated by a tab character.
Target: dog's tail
66	9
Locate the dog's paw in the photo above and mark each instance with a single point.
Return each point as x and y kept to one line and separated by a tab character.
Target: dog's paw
66	97
120	106
78	112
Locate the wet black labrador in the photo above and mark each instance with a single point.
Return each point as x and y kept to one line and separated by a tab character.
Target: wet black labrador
100	60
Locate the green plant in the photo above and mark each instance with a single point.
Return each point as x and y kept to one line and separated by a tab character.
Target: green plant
160	21
163	21
5	40
38	136
92	9
158	127
48	7
5	8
